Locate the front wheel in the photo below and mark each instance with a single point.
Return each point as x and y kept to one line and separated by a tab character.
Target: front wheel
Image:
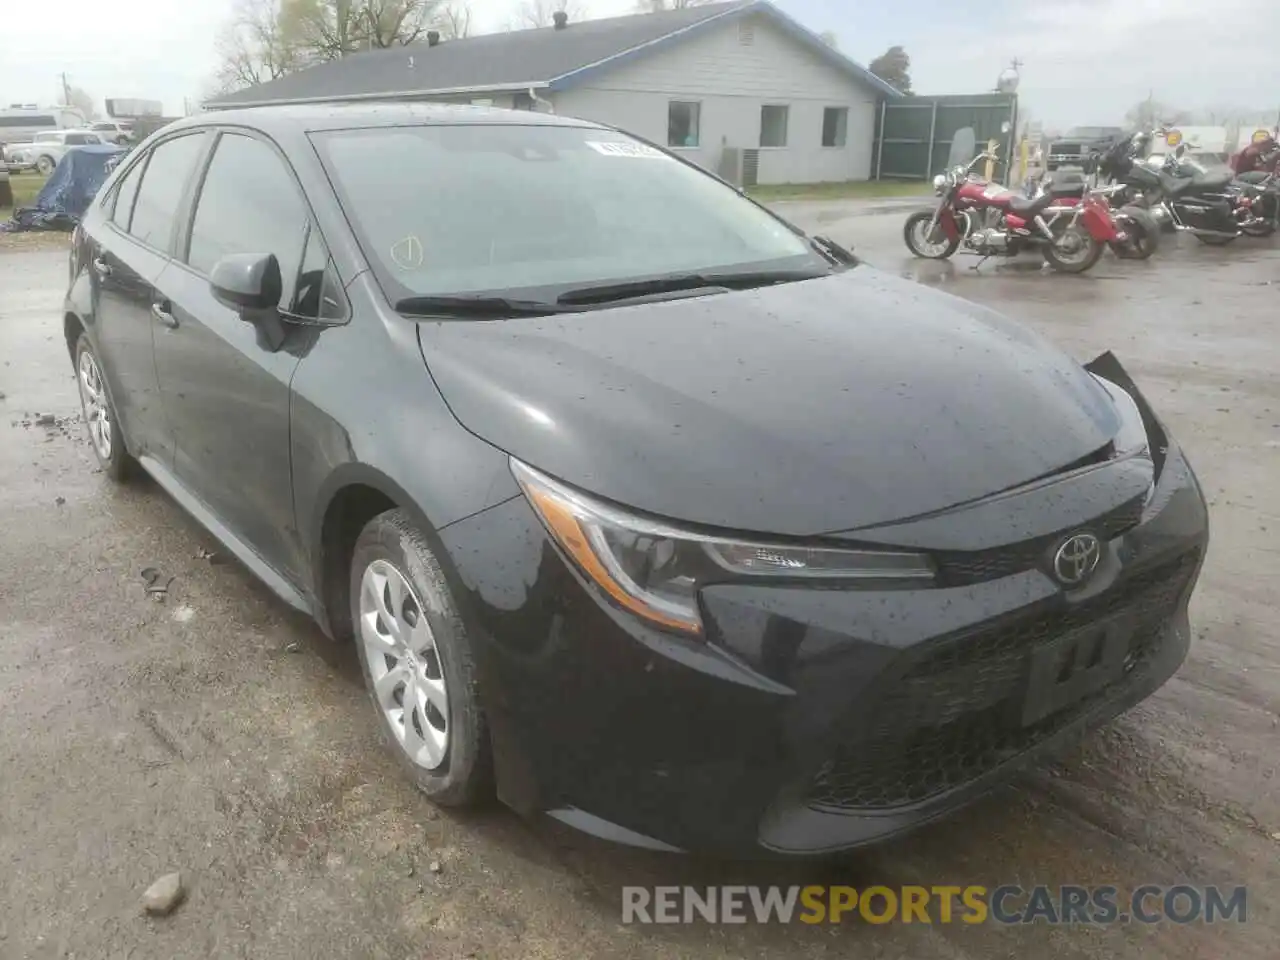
930	245
1143	236
1073	250
45	166
1215	239
1264	229
418	662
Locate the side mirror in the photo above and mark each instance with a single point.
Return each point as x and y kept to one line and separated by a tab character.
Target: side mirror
247	281
250	284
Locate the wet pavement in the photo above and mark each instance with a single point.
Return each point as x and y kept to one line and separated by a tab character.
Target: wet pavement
218	734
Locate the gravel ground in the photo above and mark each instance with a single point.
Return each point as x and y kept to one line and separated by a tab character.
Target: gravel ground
218	734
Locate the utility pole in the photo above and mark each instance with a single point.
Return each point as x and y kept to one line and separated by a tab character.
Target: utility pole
66	90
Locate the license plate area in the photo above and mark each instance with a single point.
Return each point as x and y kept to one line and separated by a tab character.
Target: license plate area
1076	665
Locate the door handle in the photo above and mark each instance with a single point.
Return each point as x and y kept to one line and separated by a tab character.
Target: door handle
160	313
101	267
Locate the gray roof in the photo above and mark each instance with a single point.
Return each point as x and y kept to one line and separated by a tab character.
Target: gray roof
546	58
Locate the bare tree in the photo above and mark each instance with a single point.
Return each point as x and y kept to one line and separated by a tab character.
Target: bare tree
541	13
454	21
254	47
329	29
657	6
830	39
79	98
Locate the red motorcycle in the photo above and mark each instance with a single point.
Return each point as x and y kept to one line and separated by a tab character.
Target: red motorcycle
992	220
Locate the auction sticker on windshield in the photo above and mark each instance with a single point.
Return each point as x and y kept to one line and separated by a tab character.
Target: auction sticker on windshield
614	149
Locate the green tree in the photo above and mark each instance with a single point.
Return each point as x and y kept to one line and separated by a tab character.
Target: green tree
894	68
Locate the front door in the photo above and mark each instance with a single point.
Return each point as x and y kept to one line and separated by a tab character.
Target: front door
226	390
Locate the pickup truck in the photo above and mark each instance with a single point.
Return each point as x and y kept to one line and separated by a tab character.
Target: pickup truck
1078	143
46	149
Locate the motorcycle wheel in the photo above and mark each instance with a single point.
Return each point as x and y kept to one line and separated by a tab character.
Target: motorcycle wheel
1214	240
1265	229
915	232
1144	235
1073	250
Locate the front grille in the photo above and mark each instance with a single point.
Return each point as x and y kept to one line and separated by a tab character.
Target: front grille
954	711
958	568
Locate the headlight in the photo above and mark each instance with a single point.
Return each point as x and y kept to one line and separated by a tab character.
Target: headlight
655	570
1132	438
939	183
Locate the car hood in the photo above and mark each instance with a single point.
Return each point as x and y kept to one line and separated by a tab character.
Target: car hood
804	408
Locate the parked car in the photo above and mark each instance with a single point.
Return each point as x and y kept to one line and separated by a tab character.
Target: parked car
640	505
1079	143
114	131
46	149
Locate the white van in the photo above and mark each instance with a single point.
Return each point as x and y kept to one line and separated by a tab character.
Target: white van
19	123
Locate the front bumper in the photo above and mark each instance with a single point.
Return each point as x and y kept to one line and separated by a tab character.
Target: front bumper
812	721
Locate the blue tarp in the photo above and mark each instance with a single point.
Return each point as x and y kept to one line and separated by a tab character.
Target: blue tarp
66	194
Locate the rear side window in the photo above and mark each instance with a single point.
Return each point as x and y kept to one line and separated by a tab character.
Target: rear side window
80	139
156	207
125	195
249	204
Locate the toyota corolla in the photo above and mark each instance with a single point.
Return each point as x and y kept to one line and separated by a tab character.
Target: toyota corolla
643	509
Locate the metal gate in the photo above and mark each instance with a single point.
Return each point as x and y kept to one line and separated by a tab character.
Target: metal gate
913	134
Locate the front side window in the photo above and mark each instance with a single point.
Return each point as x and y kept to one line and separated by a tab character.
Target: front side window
683	122
773	125
156	208
45	138
470	208
80	139
835	126
249	204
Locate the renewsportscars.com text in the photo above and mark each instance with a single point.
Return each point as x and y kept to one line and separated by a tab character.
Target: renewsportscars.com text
1008	904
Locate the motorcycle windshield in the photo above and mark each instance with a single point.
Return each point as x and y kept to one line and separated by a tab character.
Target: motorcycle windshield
964	147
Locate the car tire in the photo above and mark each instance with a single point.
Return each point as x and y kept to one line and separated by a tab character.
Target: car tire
105	437
414	646
45	166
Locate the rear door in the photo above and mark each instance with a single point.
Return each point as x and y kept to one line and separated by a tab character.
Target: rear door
226	392
130	250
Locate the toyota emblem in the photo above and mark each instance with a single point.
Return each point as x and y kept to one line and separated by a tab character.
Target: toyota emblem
1076	559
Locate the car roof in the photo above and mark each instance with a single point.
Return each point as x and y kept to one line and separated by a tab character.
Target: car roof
311	118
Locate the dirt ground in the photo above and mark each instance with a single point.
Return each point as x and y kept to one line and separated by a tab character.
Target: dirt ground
218	734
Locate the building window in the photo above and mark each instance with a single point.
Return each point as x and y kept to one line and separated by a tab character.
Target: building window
835	126
773	125
683	123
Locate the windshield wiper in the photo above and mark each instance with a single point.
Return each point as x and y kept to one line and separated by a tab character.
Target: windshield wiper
607	292
475	306
837	254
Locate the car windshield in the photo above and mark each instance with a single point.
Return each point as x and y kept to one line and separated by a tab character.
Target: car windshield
461	209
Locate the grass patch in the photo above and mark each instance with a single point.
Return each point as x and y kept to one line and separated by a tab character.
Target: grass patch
25	187
848	190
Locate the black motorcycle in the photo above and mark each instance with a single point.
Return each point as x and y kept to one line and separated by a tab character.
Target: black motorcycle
1214	206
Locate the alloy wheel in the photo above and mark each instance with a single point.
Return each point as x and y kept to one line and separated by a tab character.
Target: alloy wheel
1072	247
404	664
93	400
931	244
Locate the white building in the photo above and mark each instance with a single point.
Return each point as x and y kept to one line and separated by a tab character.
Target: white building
739	88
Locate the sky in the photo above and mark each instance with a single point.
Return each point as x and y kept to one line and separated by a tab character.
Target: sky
1084	61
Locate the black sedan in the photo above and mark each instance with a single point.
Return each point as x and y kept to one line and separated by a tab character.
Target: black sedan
643	508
